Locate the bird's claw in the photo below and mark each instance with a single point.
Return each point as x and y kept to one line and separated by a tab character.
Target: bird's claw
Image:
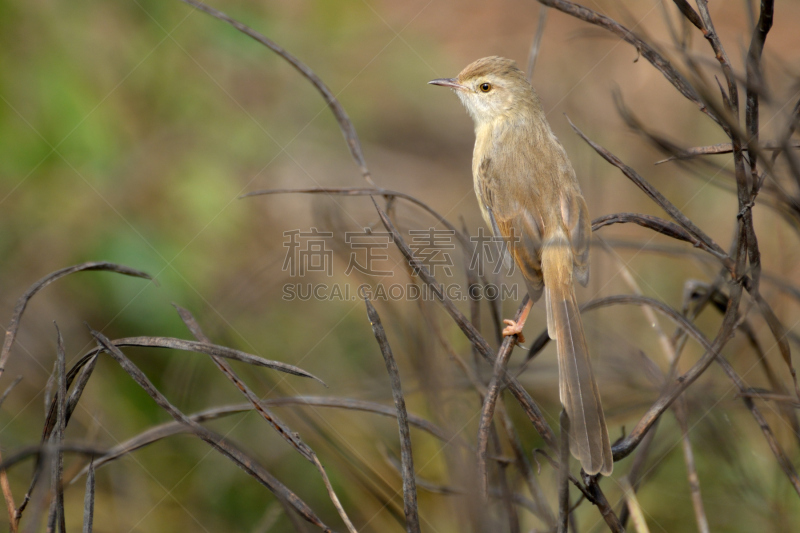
513	329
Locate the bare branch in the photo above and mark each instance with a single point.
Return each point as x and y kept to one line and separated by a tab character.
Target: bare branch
723	148
489	403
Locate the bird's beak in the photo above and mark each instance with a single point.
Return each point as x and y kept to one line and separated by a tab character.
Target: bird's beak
448	82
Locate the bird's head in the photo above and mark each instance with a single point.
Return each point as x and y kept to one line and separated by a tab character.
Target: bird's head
492	88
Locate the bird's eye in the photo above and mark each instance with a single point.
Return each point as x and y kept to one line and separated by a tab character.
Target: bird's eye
486	87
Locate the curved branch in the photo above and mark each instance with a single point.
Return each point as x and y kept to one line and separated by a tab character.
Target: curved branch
345	124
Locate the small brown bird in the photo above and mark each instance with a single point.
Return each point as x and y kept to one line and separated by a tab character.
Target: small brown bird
529	195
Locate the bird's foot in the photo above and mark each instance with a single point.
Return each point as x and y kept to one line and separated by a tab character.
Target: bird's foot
514	328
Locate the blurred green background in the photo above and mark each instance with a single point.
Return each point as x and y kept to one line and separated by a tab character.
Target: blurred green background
129	129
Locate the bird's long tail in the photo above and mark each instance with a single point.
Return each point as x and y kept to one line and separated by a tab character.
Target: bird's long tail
579	394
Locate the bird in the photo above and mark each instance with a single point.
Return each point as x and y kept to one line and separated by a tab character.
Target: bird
530	196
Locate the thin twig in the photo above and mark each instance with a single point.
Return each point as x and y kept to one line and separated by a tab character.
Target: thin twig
600	501
723	148
489	403
8	496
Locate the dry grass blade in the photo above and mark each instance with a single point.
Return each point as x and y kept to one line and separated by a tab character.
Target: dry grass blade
490	401
425	485
633	507
636	474
169	429
42	449
209	349
85	364
541	507
506	493
791	401
689	13
681	414
406	457
783	460
284	431
369	407
216	441
345	124
526	402
56	517
88	501
19	308
80	385
157	433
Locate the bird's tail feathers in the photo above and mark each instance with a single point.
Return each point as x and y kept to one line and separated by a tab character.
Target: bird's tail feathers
580	397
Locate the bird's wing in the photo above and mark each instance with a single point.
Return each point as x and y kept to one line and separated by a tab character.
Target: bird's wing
575	216
515	222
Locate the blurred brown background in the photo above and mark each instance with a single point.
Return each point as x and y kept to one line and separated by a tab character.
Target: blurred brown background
128	130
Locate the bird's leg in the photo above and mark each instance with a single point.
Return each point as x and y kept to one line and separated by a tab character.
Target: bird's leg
514	327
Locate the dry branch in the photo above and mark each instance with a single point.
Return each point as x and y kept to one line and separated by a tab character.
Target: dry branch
722	148
490	401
